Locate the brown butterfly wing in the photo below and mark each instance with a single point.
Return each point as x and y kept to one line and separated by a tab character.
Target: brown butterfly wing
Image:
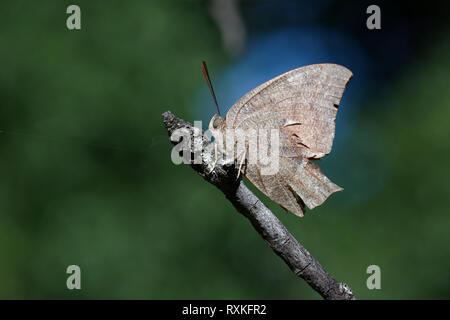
302	103
298	182
305	98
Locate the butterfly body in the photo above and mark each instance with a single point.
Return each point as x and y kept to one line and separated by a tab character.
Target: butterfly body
301	106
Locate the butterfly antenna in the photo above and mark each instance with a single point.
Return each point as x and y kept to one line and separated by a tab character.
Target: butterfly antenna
208	82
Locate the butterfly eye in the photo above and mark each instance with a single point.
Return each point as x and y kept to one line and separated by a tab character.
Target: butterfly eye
217	122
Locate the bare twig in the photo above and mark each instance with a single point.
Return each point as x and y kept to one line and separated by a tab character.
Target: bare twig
263	220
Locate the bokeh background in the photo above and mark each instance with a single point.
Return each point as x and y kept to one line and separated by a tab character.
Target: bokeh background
86	176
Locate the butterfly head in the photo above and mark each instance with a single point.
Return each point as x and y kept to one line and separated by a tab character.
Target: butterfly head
217	124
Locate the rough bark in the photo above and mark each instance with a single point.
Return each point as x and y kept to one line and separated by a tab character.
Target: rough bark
269	227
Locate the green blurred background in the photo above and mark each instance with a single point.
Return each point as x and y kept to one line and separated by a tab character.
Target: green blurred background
85	170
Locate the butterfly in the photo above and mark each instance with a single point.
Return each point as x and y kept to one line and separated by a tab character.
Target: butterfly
302	105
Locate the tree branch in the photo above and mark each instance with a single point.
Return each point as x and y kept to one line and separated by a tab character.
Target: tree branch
282	242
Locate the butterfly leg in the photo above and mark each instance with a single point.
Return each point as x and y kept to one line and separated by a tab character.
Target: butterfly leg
240	165
215	159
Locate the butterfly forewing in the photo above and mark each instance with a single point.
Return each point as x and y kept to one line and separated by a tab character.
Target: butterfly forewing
308	96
